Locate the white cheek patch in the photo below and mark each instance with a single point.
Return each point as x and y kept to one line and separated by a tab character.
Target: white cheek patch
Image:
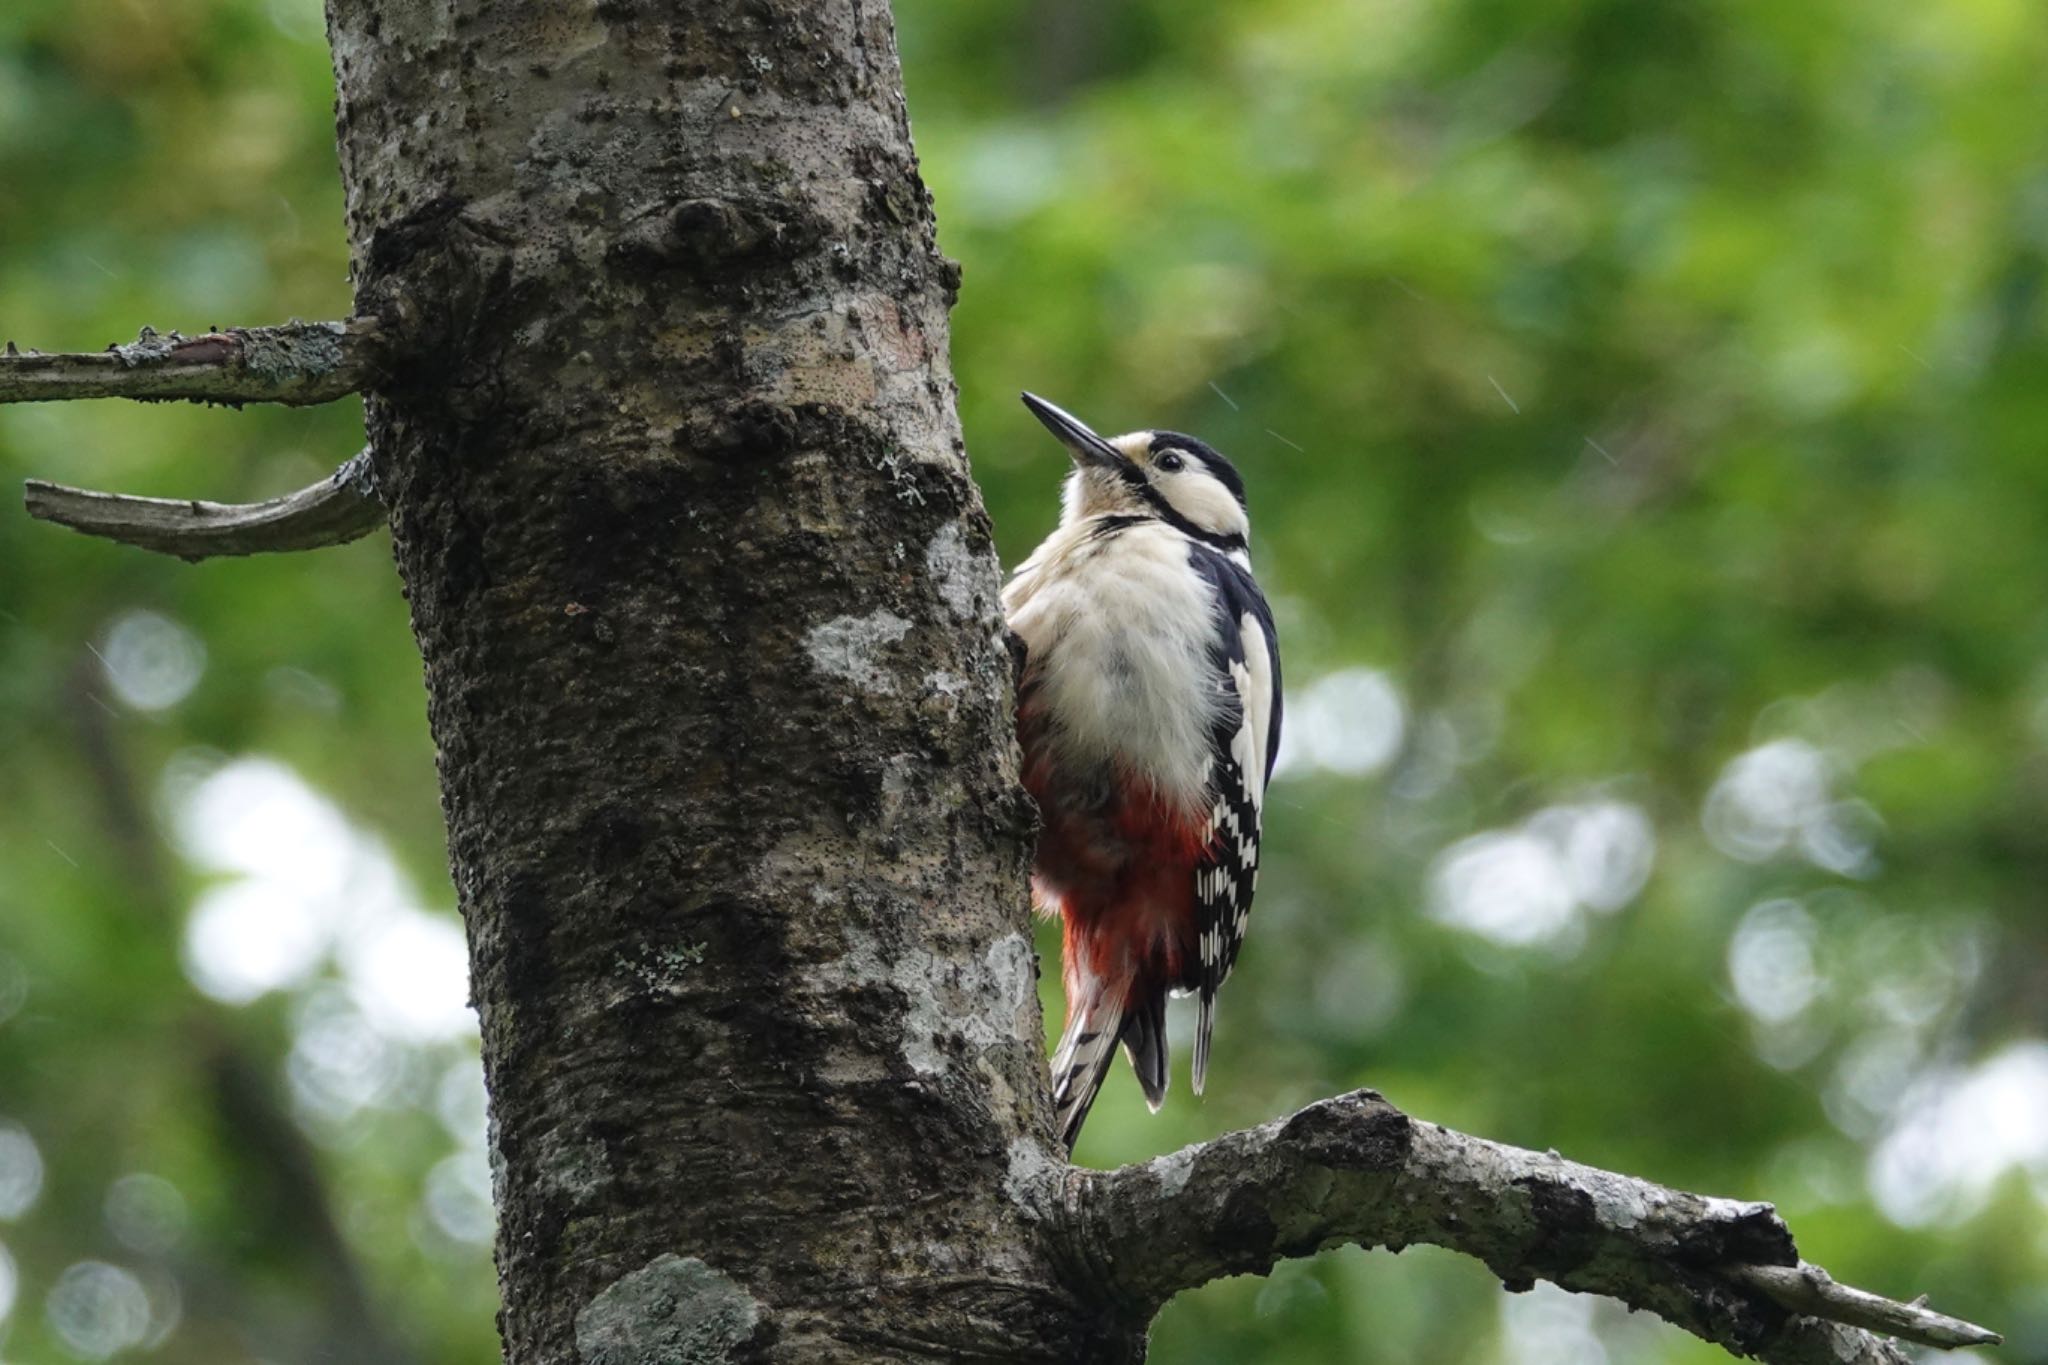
1204	501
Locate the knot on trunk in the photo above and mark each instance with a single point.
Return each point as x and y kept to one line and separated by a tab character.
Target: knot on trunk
762	429
703	233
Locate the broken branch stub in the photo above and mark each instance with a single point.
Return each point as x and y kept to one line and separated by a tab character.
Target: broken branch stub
297	363
340	508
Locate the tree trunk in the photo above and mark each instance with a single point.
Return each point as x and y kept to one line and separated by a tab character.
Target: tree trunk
707	602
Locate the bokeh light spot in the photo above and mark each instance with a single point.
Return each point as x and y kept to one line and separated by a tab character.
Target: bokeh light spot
1349	722
458	1197
1549	1326
1508	887
1959	1130
146	1213
97	1310
1775	799
461	1103
338	1063
1771	961
250	938
312	887
21	1171
150	660
409	974
1529	886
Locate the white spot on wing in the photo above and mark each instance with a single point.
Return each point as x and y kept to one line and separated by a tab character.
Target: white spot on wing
1254	682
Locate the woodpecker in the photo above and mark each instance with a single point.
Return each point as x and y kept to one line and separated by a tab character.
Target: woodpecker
1148	712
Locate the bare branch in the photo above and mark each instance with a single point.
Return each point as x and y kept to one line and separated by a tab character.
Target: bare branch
340	508
1806	1288
299	363
1356	1169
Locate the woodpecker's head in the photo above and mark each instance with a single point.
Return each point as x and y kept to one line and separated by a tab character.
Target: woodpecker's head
1160	474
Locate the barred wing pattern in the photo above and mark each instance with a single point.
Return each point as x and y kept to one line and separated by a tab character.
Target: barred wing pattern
1244	743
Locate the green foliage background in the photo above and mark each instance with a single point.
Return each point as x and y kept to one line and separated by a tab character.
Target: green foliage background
1643	406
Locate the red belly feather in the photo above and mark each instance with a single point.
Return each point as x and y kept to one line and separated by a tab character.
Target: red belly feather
1121	873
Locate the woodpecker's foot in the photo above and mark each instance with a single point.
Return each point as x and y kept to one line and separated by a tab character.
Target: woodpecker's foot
1015	643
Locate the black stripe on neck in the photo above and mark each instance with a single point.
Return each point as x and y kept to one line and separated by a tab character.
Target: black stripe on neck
1110	526
1164	511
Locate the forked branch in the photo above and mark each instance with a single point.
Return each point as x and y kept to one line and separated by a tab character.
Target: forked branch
338	509
1356	1169
299	363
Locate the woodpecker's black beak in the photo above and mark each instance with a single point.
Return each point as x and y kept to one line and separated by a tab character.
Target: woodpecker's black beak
1084	445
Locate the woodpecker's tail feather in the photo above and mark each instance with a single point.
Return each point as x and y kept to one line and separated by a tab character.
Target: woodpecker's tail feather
1205	1025
1086	1049
1144	1038
1084	1059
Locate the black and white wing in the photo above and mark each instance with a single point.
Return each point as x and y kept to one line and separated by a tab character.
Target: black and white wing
1243	744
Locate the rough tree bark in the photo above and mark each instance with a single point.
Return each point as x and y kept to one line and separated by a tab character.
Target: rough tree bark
708	608
652	335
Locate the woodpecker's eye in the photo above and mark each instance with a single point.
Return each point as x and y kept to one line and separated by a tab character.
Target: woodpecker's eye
1170	462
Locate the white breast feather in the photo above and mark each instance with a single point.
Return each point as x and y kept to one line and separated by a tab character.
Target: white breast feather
1120	630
